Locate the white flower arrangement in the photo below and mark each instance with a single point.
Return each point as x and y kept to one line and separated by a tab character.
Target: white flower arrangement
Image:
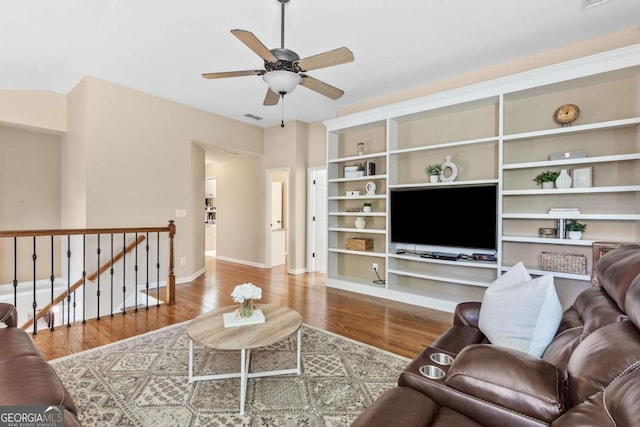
246	291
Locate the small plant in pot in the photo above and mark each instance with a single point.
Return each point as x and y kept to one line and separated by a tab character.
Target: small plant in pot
575	229
547	178
434	171
366	207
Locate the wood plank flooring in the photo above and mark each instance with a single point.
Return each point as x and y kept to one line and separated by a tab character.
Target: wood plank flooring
399	328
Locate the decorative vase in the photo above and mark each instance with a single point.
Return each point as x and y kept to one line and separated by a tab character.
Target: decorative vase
563	180
575	235
366	209
246	308
448	164
361	222
433	179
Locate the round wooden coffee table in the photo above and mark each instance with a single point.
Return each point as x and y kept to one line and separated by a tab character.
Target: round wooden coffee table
209	331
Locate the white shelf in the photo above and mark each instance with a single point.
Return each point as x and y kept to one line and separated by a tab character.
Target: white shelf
568	215
547	241
358	230
445	184
362	157
438	277
612	124
362	197
538	272
460	263
352	252
381	214
587	190
358	178
445	145
570	162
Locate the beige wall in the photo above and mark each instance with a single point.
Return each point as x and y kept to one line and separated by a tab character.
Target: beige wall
29	197
34	109
196	204
241	210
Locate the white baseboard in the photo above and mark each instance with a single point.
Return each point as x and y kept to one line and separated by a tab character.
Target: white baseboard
241	261
298	271
191	278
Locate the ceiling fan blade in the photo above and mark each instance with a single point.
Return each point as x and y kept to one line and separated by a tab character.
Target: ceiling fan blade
225	74
321	87
326	59
252	42
272	98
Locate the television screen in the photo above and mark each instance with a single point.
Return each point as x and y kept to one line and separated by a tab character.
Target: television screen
457	216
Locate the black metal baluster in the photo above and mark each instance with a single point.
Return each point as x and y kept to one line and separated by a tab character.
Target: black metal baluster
34	304
15	272
147	281
111	273
68	280
52	278
98	278
124	273
135	310
84	278
158	269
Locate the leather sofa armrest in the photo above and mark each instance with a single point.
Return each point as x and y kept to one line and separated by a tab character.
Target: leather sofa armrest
467	314
8	315
494	386
509	378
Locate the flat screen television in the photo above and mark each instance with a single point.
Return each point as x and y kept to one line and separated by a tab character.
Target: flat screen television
446	216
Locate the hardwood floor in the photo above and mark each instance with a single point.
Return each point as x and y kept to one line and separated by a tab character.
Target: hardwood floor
399	328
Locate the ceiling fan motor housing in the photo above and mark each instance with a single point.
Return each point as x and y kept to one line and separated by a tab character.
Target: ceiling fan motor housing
286	59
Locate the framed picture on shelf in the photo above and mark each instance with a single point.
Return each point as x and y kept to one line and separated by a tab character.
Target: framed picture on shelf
582	177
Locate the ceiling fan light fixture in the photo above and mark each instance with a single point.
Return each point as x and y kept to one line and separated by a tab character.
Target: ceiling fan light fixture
282	81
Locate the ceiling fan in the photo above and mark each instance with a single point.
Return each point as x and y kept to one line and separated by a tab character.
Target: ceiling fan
284	69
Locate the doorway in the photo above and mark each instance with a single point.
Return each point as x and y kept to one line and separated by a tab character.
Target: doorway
210	217
278	200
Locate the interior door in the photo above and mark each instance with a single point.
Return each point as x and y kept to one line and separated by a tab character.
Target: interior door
276	205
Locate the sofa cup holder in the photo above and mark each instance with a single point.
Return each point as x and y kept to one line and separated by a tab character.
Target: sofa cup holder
441	359
432	372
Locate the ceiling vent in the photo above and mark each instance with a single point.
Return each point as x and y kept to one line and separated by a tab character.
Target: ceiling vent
253	116
592	4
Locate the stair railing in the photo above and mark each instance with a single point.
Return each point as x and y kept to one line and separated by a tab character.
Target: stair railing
56	264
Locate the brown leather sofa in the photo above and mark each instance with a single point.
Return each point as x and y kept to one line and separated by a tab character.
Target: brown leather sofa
588	376
26	378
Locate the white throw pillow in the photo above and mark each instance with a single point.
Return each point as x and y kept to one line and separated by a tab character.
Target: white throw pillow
521	313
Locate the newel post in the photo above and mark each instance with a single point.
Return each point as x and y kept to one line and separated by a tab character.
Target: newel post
171	278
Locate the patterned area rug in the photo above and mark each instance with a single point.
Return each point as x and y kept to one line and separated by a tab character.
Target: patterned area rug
143	381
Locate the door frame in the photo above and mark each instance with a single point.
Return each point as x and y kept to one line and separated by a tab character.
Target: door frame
311	267
286	212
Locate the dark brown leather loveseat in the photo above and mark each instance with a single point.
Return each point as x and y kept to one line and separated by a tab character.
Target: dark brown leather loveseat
26	378
588	376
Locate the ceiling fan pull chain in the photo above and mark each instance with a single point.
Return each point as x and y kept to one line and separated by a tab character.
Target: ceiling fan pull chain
282	112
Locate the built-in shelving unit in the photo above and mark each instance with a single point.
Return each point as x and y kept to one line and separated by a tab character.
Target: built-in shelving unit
499	132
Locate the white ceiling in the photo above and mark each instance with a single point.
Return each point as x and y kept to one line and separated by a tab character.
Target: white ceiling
163	46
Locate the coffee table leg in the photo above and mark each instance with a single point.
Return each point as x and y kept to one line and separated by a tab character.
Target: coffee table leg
190	361
243	378
298	352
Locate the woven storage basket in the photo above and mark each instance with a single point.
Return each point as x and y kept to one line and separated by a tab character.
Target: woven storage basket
563	263
358	244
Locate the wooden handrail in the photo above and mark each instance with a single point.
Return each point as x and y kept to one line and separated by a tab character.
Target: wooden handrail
91	277
77	231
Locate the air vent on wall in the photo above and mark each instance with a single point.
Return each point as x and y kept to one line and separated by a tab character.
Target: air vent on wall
253	116
590	4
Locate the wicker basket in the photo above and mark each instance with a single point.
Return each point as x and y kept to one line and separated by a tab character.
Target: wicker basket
359	244
563	263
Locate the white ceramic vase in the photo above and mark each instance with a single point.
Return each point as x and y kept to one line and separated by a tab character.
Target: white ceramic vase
433	179
563	180
366	209
361	222
547	184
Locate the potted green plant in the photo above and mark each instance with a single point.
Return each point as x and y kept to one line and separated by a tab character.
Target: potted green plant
366	207
547	178
434	172
575	229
